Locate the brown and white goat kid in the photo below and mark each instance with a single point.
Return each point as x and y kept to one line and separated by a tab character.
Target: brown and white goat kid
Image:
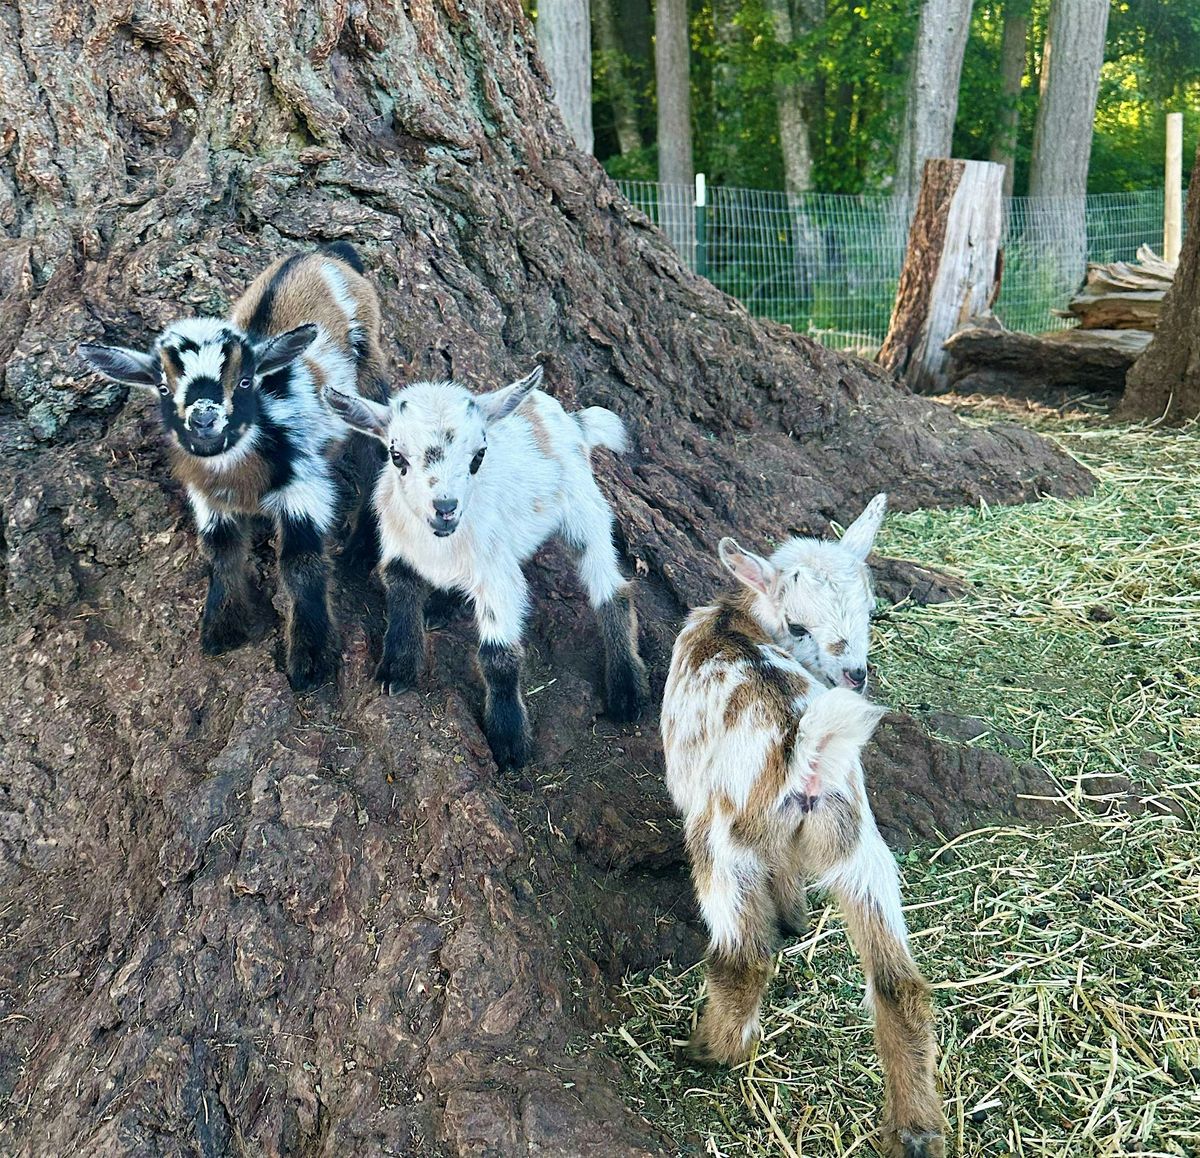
249	433
762	759
477	483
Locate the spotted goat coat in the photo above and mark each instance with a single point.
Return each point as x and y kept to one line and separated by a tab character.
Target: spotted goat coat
477	483
762	760
249	434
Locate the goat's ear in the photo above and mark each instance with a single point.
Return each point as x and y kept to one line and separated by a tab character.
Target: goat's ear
280	350
860	534
501	403
123	365
359	412
755	572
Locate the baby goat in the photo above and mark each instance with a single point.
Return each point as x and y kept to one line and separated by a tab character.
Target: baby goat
249	434
762	759
477	484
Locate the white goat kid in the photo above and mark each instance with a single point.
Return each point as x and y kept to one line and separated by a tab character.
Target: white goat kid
763	761
477	483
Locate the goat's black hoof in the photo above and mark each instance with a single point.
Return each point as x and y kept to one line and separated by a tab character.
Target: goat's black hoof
396	674
310	669
232	629
914	1144
627	692
509	735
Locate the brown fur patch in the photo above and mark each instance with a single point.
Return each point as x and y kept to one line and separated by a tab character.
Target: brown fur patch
541	436
238	490
838	648
231	371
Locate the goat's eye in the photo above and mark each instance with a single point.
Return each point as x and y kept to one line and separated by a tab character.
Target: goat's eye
399	461
477	461
164	389
797	631
244	384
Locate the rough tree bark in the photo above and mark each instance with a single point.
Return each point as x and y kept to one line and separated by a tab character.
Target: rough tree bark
564	35
1012	72
932	104
1165	380
238	922
672	72
621	94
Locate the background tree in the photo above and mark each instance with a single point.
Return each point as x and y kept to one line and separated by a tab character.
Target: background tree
564	32
1070	83
613	76
932	105
794	20
672	73
328	924
1165	381
1013	55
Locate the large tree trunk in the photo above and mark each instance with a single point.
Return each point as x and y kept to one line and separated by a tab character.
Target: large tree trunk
672	72
564	33
236	921
1165	380
1012	72
620	88
933	78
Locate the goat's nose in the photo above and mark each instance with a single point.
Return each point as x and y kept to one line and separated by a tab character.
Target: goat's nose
445	507
201	420
857	678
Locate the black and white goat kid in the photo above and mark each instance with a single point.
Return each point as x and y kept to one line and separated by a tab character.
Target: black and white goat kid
250	434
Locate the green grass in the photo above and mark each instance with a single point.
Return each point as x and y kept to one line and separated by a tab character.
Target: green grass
1066	960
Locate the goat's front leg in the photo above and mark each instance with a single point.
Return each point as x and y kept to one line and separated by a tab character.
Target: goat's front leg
404	642
227	618
733	888
842	845
500	614
361	551
304	570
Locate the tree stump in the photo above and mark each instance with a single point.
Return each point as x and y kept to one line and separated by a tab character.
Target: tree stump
950	272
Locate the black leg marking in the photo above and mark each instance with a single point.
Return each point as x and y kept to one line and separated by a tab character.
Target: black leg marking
443	607
626	686
505	720
404	643
361	551
227	617
304	570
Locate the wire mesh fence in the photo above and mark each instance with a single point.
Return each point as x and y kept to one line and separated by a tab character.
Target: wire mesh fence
828	264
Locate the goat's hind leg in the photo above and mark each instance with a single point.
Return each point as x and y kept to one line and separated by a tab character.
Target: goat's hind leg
739	910
312	657
844	848
626	688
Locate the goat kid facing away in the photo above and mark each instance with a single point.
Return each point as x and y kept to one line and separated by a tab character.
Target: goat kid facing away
249	434
762	760
477	483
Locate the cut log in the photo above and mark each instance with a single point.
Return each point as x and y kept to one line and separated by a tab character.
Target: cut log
990	359
950	271
1122	295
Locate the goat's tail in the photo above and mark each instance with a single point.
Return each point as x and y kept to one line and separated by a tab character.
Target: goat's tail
602	427
346	252
833	730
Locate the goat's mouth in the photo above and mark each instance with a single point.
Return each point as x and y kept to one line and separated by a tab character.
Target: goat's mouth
859	684
207	445
443	528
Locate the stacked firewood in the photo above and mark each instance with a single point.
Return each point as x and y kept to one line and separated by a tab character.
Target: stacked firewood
1123	295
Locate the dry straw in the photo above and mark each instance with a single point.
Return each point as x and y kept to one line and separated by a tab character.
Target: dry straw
1066	959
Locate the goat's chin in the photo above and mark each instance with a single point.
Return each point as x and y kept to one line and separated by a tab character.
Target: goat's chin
208	447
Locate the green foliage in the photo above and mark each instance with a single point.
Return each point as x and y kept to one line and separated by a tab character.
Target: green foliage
852	67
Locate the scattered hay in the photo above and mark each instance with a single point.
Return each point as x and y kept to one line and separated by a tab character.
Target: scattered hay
1066	960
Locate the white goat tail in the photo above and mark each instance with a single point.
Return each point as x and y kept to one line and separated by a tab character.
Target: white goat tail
602	427
833	731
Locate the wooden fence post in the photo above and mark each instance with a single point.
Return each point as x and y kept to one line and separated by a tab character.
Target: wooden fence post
950	268
1172	189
